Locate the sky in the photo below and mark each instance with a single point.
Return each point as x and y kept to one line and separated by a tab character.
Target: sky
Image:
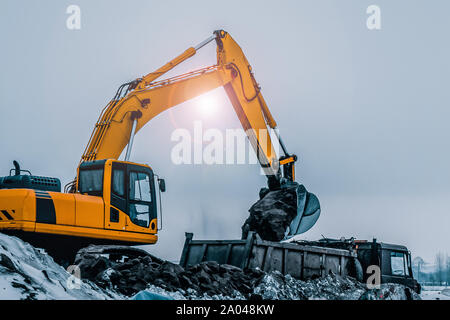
365	110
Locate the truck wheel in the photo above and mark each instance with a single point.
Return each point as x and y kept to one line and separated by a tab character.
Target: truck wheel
417	287
355	270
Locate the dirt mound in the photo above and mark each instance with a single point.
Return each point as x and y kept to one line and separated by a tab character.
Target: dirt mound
141	270
142	274
390	291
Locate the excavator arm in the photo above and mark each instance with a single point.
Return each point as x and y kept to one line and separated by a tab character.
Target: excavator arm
139	101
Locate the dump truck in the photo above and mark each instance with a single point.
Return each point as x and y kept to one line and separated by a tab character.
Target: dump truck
307	259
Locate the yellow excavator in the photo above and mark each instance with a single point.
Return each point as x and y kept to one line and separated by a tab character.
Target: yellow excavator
118	202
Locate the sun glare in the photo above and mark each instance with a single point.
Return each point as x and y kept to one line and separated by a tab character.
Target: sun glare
208	105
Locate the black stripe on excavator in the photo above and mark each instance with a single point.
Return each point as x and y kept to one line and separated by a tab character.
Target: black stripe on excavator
7	215
45	208
42	194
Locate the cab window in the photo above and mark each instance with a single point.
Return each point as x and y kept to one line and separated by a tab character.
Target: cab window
140	198
399	264
140	187
118	182
91	181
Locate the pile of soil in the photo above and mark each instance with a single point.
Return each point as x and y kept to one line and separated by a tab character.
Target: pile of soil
143	272
142	269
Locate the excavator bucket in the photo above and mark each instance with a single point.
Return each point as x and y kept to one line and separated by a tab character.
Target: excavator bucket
308	211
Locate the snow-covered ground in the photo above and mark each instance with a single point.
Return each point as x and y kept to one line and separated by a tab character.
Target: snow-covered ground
435	293
29	273
275	286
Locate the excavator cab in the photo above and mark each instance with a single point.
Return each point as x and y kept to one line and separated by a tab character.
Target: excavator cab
128	189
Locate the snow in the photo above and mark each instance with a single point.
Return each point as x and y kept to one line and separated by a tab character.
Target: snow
30	273
275	286
435	293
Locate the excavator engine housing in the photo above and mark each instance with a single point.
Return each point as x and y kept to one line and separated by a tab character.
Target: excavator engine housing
28	181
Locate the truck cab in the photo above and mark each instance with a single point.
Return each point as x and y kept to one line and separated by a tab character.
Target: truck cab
394	262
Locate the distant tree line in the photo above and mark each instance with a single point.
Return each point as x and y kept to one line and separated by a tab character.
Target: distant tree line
437	274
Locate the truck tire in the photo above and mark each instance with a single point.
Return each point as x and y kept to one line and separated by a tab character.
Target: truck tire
355	270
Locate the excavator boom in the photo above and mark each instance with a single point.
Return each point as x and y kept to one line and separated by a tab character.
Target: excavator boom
144	99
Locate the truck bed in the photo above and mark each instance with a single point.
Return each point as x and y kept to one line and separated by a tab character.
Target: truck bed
300	261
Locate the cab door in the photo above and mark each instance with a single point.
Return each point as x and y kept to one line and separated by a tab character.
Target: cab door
141	200
116	207
397	268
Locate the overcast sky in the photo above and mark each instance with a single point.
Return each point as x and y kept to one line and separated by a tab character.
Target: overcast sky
366	111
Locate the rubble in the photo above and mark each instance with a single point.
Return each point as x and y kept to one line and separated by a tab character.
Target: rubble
29	273
390	291
137	273
275	286
144	276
